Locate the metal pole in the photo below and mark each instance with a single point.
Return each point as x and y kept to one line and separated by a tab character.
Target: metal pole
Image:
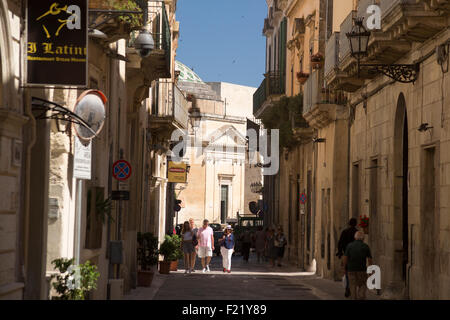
78	221
119	227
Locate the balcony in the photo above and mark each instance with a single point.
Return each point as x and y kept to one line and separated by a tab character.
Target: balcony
409	20
271	88
115	19
158	64
268	28
440	5
169	108
318	111
331	67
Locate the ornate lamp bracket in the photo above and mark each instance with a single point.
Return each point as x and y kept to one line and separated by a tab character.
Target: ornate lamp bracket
404	73
52	110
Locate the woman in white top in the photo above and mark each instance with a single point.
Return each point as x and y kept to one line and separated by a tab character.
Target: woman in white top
187	246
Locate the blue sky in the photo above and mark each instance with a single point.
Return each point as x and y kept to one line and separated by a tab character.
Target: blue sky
222	39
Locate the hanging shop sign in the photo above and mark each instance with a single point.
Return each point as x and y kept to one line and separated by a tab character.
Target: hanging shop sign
177	172
57	40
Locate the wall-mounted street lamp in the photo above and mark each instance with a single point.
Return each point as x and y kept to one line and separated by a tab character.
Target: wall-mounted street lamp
424	127
319	140
195	117
359	41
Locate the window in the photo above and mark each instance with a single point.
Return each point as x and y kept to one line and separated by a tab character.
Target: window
96	210
224	203
329	18
374	194
355	191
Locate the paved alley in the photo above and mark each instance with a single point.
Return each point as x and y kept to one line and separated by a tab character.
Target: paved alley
247	281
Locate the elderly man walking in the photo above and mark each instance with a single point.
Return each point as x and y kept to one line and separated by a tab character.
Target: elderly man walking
356	255
205	237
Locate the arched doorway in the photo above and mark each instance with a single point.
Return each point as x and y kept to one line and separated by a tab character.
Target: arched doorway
400	231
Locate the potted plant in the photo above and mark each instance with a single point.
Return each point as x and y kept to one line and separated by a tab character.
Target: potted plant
147	258
364	223
302	77
74	282
317	61
171	250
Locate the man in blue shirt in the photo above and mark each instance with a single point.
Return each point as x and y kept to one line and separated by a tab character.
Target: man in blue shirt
227	248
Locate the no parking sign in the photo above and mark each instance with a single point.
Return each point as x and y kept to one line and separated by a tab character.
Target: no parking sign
303	198
121	170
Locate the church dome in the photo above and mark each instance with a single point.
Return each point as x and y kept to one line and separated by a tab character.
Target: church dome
186	74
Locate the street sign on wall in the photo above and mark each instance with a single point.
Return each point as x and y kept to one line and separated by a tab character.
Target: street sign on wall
82	160
177	172
121	170
303	198
57	40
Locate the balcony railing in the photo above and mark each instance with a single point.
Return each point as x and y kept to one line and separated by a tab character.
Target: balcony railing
273	84
344	45
332	54
169	105
259	97
312	92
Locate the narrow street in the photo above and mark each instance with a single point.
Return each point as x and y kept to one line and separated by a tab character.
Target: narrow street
247	281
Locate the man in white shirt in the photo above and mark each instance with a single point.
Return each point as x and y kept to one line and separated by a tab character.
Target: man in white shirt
205	238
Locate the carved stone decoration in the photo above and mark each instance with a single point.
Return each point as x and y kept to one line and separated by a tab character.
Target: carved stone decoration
282	4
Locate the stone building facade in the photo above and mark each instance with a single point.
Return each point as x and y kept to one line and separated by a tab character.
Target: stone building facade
217	180
374	146
41	202
12	121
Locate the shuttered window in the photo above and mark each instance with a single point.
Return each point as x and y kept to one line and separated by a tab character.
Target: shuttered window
282	53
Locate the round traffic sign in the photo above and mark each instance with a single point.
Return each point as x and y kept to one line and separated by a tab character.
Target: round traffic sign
121	170
303	198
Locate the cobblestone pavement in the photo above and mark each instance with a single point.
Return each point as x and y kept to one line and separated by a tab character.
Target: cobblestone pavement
247	281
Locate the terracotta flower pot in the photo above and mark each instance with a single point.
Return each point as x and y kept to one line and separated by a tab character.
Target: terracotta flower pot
366	230
145	278
317	65
302	77
164	267
174	265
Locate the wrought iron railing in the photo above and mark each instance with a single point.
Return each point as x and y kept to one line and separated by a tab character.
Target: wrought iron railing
160	28
259	97
273	84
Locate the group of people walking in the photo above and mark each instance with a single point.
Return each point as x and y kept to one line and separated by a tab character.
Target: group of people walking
356	254
270	244
200	241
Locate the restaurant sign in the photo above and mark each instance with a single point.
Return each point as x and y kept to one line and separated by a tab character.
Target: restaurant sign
177	172
57	42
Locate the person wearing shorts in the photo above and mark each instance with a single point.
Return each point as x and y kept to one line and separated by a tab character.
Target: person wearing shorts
205	238
187	246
